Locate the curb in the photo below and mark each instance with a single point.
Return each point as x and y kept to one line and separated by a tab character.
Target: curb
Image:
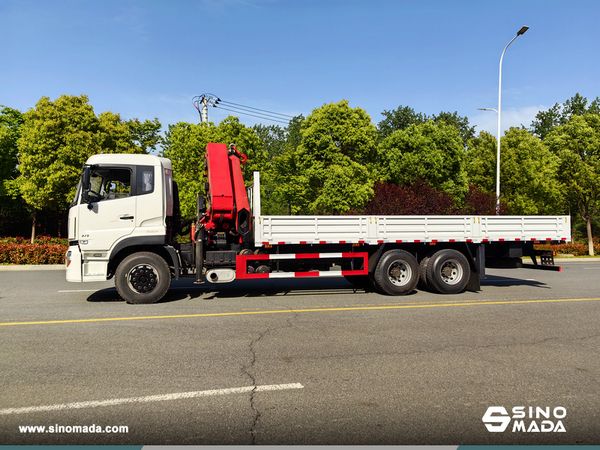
16	267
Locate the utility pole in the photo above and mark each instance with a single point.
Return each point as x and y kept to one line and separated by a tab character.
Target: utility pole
202	102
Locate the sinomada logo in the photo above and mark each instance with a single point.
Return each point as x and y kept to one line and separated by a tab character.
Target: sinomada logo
526	419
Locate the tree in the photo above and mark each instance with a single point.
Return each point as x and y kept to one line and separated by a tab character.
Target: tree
527	171
11	121
279	145
461	123
558	115
332	170
399	119
577	144
185	145
272	138
13	209
56	139
404	116
146	134
430	153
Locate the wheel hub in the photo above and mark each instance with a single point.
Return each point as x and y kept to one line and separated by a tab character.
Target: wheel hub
399	273
142	278
451	272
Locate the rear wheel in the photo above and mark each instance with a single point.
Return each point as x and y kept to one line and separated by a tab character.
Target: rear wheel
397	273
143	277
448	272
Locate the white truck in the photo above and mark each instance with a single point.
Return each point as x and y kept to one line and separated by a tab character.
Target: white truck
124	218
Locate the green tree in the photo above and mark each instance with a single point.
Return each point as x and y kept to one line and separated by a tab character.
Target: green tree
465	131
11	121
13	209
280	146
56	139
272	138
404	116
427	152
577	144
146	134
399	119
528	182
546	121
332	170
185	145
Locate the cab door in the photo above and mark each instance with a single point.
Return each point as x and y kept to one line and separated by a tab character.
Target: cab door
109	213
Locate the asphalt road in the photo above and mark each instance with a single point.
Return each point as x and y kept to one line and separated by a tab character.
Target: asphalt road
315	361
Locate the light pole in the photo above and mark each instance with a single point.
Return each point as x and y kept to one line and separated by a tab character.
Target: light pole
499	112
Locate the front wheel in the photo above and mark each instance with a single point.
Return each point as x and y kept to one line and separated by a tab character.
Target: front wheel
142	278
397	273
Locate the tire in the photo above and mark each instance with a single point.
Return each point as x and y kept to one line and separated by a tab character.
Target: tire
143	277
423	272
448	272
397	273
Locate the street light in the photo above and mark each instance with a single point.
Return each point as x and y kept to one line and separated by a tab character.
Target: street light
499	112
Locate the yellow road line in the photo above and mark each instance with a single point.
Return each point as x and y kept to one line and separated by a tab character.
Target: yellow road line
348	308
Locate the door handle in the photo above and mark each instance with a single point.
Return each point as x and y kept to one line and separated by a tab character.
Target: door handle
126	217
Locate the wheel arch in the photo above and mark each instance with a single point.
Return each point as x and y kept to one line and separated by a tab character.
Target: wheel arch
135	245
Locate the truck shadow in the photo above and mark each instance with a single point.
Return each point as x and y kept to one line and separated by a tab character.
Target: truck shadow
494	280
186	289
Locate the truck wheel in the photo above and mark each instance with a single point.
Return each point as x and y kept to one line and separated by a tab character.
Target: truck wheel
397	273
448	272
143	277
423	272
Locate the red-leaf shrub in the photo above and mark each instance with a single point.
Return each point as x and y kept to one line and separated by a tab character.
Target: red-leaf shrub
419	200
45	250
422	200
569	248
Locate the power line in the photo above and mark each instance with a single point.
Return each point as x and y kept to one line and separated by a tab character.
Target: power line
253	115
256	109
202	102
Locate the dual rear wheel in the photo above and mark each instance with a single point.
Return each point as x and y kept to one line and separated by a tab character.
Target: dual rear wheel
398	272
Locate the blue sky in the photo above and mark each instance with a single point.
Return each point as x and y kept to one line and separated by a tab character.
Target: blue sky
148	59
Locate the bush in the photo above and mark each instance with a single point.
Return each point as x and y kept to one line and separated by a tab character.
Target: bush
570	248
44	250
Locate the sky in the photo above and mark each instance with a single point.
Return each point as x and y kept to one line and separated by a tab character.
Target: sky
148	59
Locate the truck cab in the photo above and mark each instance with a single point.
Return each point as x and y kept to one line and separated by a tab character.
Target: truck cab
123	202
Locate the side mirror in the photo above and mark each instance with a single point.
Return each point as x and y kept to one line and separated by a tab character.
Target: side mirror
85	178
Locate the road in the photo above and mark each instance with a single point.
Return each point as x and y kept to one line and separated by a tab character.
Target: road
314	362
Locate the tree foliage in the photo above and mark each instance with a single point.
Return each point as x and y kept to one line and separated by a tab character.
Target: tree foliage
404	116
13	209
279	145
185	145
56	139
428	152
577	144
331	171
528	182
558	115
146	134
